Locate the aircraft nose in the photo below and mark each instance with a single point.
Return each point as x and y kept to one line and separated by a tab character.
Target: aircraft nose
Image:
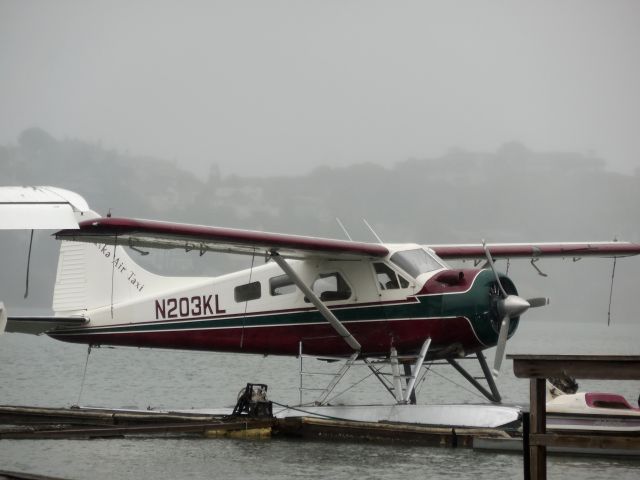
514	306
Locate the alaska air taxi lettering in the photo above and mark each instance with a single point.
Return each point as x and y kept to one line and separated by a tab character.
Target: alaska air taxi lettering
119	266
184	307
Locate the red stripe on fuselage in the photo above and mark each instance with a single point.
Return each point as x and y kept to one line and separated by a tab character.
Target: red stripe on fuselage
376	338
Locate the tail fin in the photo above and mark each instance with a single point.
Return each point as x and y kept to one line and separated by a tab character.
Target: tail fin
92	276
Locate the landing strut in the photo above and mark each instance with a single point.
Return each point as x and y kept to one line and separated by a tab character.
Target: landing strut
400	383
493	395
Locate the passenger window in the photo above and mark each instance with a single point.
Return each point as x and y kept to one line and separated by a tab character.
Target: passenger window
281	285
330	286
388	279
249	291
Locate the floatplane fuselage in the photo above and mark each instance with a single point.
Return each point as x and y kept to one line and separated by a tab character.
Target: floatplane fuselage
260	310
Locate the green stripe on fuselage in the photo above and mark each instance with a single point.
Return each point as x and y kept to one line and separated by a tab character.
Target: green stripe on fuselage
473	304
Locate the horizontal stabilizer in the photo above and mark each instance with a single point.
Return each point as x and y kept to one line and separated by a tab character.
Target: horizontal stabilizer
39	325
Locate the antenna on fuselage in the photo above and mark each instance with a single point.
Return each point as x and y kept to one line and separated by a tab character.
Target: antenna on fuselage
344	229
372	230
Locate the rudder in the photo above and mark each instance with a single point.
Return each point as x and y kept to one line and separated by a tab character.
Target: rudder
91	276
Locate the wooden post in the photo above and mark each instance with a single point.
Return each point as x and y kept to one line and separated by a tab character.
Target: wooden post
538	453
526	454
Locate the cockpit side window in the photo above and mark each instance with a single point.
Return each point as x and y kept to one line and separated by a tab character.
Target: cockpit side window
387	278
415	262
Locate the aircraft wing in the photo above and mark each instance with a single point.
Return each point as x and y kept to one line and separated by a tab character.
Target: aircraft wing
166	235
537	250
154	234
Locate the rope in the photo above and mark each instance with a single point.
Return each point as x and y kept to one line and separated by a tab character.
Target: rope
458	385
26	290
350	387
330	417
423	378
84	374
613	273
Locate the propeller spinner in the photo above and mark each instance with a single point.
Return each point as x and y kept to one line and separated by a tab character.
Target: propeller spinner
509	306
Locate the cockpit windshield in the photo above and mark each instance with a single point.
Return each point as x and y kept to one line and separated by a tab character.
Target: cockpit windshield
416	262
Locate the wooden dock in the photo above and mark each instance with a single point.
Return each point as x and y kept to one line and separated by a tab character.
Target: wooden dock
19	422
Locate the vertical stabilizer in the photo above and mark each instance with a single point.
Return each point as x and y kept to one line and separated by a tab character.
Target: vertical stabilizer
70	292
92	276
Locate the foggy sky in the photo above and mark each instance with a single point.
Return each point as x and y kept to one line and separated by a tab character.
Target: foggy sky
277	87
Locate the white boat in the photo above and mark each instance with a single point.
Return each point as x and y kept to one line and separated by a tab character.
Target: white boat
592	411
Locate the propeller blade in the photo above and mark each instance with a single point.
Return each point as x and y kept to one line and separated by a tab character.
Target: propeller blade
511	307
493	269
538	302
502	343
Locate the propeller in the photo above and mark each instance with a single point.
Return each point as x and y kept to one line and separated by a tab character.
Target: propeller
538	302
509	306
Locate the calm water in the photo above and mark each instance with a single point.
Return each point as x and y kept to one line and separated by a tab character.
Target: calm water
41	371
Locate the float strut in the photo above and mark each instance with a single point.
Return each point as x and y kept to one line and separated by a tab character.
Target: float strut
416	370
494	394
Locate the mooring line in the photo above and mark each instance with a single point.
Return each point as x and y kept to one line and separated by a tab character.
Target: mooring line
84	375
613	274
26	289
287	407
458	385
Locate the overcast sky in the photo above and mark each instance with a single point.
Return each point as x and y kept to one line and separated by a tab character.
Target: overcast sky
276	87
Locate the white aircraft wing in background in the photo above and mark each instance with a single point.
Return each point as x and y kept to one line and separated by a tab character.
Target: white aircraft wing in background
41	208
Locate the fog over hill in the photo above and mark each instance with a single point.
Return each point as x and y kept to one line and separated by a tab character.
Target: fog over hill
512	194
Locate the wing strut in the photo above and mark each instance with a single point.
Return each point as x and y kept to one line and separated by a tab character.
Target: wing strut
322	308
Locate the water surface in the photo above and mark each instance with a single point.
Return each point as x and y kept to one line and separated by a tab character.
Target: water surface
41	371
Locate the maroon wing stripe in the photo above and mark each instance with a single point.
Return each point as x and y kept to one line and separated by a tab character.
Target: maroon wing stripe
126	226
533	250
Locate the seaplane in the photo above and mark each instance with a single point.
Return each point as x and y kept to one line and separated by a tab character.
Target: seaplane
399	305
